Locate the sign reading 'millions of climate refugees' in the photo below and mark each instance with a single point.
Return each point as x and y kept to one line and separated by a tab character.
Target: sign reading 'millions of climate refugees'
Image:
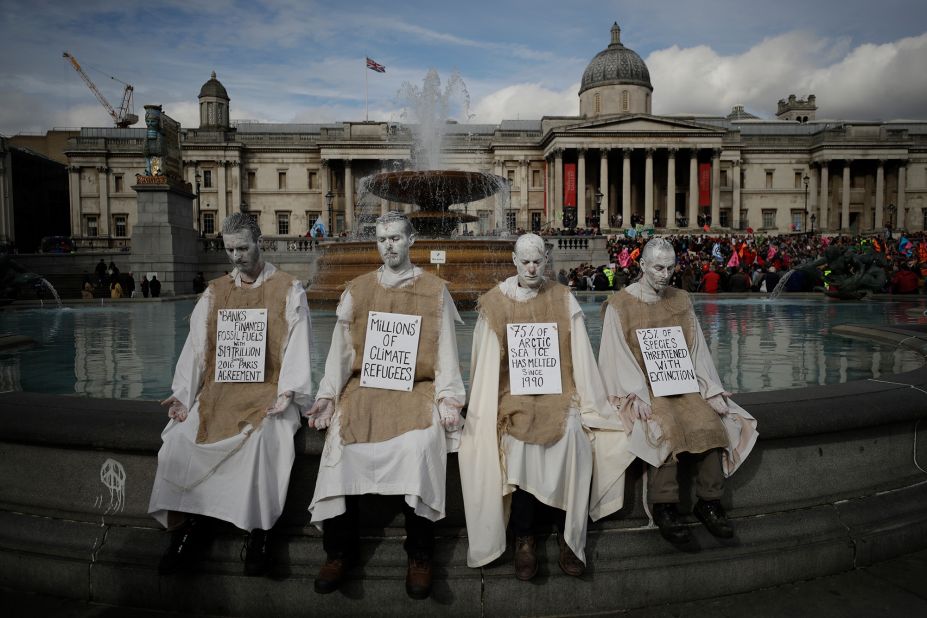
390	351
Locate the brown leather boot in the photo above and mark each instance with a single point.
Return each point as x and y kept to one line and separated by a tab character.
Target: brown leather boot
418	578
331	575
569	563
526	561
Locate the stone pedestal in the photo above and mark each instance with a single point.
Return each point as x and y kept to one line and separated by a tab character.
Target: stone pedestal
163	238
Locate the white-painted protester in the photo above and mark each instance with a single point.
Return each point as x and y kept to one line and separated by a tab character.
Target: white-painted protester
228	449
388	442
706	426
565	451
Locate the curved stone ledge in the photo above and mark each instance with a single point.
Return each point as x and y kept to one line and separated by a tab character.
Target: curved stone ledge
831	485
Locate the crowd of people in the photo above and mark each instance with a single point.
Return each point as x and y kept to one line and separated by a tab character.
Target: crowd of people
108	281
745	263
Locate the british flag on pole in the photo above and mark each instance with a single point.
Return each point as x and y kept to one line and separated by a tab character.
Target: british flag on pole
375	66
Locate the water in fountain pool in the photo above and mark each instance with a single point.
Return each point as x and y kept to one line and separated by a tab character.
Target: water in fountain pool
129	351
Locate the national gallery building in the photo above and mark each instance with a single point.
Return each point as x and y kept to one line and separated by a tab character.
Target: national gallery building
614	165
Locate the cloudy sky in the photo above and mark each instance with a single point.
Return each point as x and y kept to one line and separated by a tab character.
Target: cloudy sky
303	60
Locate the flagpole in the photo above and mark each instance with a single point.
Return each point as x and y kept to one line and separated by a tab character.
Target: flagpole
366	107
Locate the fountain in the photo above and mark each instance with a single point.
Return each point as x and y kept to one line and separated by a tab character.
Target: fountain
471	266
14	279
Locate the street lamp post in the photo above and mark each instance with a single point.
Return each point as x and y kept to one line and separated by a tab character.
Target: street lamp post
890	211
598	206
812	223
330	203
804	223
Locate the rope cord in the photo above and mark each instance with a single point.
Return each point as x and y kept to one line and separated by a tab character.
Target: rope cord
916	423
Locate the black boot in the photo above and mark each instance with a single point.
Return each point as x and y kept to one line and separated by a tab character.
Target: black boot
187	545
666	518
711	513
257	553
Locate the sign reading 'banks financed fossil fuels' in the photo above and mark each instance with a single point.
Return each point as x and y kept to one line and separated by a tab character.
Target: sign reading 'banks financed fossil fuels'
390	351
241	345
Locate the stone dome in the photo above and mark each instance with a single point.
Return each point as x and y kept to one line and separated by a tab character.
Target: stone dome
616	64
214	88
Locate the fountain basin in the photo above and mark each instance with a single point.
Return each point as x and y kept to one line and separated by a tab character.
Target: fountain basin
472	266
831	486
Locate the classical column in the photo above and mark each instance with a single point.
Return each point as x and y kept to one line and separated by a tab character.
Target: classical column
523	193
825	183
501	198
325	186
103	180
626	186
716	187
236	187
558	184
7	222
693	187
902	176
77	226
603	177
348	196
735	202
879	195
648	186
845	201
671	187
581	189
222	197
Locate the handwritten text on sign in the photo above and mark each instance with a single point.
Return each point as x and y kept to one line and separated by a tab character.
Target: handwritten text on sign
241	345
534	359
666	357
390	351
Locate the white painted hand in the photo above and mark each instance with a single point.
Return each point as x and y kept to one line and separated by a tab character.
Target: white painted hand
283	401
175	410
718	404
641	408
320	414
450	416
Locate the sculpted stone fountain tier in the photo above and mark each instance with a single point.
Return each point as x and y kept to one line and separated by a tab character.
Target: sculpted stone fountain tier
471	267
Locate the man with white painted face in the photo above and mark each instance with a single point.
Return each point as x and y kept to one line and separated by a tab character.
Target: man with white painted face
528	448
693	417
379	440
228	448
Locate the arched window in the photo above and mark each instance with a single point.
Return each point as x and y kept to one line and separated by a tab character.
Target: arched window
598	103
625	100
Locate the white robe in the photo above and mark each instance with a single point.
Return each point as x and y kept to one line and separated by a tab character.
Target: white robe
413	464
582	473
623	376
242	479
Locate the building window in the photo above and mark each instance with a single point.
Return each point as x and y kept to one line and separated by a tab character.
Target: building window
485	221
769	179
118	183
536	179
209	223
725	217
120	226
313	180
857	181
281	181
510	220
252	180
598	103
798	180
90	226
625	100
283	223
769	218
724	182
797	216
207	179
510	175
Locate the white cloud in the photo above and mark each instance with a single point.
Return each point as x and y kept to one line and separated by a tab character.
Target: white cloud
526	101
866	82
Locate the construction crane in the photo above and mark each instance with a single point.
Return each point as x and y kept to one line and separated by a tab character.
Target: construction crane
125	116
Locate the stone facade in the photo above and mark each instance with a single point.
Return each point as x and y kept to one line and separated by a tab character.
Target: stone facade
676	172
